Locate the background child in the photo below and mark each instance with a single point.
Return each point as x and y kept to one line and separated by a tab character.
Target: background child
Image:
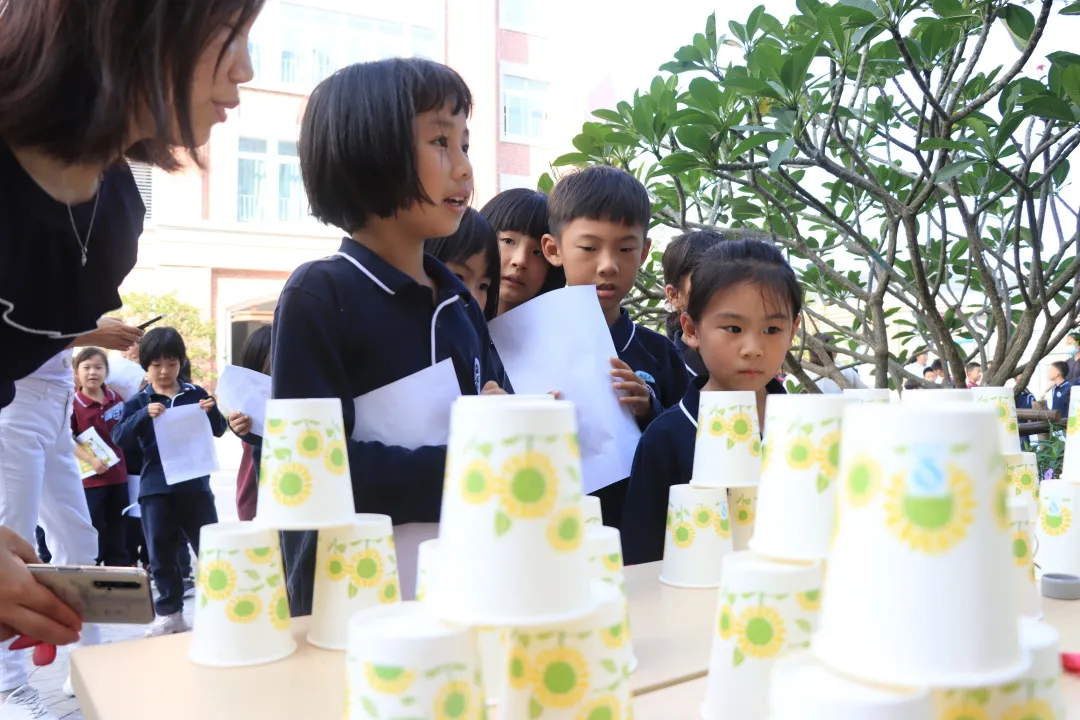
255	356
974	374
520	220
1060	389
741	317
472	254
680	258
598	219
99	407
384	156
170	513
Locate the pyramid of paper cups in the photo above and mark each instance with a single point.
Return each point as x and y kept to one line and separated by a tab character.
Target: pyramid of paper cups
770	595
241	610
1057	536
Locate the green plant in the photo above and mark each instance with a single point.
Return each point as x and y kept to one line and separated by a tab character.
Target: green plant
198	334
914	186
1050	454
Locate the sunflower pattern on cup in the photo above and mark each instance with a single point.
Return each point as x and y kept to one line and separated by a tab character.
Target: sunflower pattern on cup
737	422
1024	477
442	692
680	526
806	446
721	520
1021	546
1073	425
1054	518
1027	699
761	627
566	529
743	514
296	453
366	564
931	507
1004	412
244	584
862	480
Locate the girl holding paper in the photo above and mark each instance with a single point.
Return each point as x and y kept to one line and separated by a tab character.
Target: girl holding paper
95	412
255	356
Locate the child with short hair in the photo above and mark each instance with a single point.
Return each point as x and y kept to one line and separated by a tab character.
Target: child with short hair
254	356
520	219
384	156
99	407
170	513
1060	388
742	315
472	254
598	219
974	374
680	258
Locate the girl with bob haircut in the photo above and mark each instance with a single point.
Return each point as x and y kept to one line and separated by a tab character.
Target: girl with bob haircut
472	253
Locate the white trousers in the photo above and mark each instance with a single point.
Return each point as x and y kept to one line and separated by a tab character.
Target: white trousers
39	481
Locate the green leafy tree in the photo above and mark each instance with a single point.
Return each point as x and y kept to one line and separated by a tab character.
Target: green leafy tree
198	334
917	196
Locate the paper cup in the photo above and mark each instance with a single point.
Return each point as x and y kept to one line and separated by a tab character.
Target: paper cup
697	538
590	510
727	452
1057	539
797	496
1024	584
573	670
868	395
427	554
1023	472
355	568
511	538
241	609
804	689
1003	401
304	480
1070	469
403	662
1036	696
919	588
604	547
936	396
742	507
765	610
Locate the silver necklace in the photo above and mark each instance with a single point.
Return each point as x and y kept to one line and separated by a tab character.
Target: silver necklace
83	244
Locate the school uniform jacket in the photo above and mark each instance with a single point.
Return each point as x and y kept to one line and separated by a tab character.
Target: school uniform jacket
656	361
690	357
665	457
1059	398
135	436
353	323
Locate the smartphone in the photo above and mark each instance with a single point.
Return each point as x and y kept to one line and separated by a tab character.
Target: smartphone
119	595
148	323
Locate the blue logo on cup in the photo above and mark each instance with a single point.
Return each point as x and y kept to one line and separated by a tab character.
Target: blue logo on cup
723	511
1053	508
927	475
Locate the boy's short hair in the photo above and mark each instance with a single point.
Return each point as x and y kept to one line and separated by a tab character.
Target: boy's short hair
973	366
928	370
599	192
161	343
1061	366
936	366
357	142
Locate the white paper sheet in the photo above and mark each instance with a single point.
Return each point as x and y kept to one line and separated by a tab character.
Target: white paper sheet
125	376
560	341
246	391
185	443
92	443
411	412
133	509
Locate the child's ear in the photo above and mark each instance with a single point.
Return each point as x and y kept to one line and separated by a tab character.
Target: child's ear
645	252
552	251
689	332
794	329
672	294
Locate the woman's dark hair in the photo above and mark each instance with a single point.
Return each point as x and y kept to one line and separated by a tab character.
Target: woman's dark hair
87	353
358	140
256	353
680	258
72	72
524	211
162	343
738	261
473	237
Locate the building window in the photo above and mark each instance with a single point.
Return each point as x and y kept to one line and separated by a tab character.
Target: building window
524	109
297	47
144	179
524	16
268	183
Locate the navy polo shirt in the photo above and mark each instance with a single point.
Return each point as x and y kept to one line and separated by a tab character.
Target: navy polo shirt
345	326
1059	398
135	436
1025	400
656	361
690	357
665	457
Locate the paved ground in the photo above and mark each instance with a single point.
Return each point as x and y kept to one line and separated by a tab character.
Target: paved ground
49	680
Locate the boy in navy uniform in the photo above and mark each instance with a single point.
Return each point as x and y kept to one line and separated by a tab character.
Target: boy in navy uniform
172	515
383	152
598	219
1060	388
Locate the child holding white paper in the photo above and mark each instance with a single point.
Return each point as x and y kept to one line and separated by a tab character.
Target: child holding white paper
598	219
519	217
99	407
742	314
255	356
384	156
170	513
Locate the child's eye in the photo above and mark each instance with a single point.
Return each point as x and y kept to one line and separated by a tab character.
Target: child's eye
732	328
507	240
459	277
485	286
772	330
586	248
442	142
465	149
538	252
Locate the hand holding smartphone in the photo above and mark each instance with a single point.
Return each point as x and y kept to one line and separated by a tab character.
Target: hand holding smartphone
118	595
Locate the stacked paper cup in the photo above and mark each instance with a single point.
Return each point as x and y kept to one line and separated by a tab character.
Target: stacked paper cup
1002	401
1056	532
919	592
868	395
